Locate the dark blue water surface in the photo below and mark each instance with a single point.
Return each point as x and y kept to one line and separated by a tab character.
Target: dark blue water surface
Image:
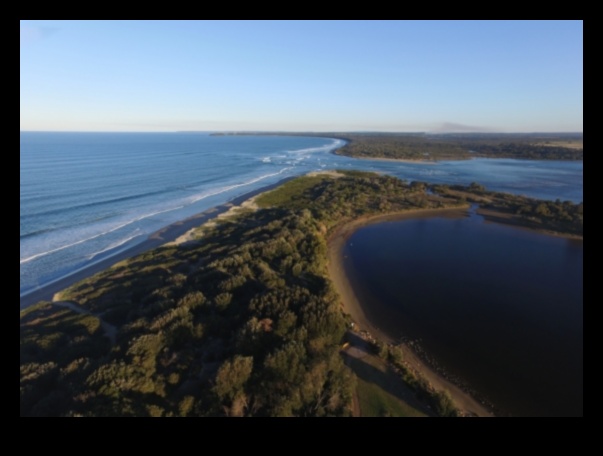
497	306
85	196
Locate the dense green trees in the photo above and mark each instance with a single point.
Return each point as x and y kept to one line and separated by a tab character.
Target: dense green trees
452	146
460	146
558	216
244	322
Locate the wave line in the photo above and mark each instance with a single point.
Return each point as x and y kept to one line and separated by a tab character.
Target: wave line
48	252
325	147
113	246
194	200
225	189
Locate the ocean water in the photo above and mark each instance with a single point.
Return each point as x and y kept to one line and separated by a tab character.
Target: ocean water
499	307
86	196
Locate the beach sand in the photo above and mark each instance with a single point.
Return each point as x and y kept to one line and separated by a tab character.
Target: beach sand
351	304
168	234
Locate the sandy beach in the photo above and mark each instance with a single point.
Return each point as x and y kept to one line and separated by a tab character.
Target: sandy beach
167	234
352	305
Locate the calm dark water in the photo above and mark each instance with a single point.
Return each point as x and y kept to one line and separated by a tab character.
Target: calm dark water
499	307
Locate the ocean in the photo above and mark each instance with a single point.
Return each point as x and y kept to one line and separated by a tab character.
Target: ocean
87	196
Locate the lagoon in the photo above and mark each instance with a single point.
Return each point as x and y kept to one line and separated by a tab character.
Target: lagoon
499	308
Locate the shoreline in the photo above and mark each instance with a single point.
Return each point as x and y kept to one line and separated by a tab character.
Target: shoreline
399	160
160	237
336	242
435	161
468	402
351	305
503	218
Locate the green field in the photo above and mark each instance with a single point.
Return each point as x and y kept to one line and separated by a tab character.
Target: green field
381	392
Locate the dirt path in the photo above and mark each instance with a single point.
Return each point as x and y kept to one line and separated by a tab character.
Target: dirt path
355	405
110	330
368	367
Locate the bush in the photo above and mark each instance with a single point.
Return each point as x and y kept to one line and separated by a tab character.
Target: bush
444	404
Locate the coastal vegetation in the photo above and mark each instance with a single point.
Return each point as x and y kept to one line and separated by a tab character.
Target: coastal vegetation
557	216
242	320
459	146
392	355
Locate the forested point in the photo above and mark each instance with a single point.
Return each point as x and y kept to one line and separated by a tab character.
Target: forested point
243	321
459	147
451	146
563	217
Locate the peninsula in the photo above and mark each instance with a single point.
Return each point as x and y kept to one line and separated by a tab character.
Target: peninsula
248	316
428	147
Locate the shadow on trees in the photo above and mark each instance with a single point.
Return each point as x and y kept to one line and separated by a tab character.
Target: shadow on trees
388	381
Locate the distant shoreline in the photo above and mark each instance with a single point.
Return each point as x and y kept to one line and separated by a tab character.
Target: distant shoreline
158	238
431	161
494	216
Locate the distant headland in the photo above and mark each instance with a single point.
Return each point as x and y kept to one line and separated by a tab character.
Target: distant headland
448	146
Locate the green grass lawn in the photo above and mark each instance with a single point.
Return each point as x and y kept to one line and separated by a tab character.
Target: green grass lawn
381	392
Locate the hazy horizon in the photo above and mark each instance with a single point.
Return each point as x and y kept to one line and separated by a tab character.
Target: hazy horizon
303	76
317	131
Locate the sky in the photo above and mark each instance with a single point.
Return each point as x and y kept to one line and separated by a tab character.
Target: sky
433	76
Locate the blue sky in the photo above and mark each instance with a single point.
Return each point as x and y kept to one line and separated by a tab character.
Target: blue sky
508	76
